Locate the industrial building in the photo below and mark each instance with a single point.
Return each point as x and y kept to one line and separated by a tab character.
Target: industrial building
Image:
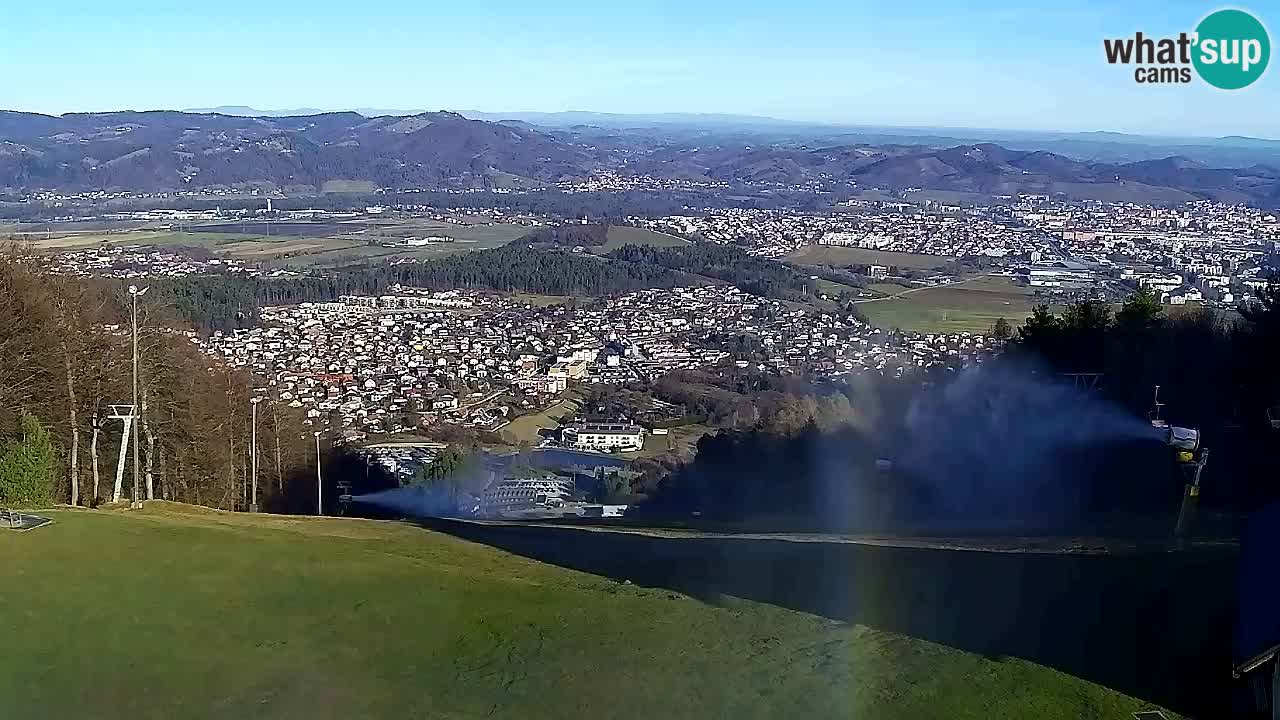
1059	273
513	494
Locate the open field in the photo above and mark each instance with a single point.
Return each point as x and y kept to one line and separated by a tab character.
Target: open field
77	226
299	244
467	228
949	196
347	186
620	235
537	300
185	612
887	288
831	287
145	238
971	305
333	256
679	441
840	255
380	253
526	427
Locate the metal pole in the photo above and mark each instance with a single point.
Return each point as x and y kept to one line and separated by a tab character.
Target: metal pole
319	481
120	461
137	500
253	499
1190	501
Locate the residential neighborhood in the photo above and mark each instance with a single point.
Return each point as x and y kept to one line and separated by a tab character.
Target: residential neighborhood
414	360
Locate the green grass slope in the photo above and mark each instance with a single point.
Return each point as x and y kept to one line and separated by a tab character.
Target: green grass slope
620	235
970	305
181	613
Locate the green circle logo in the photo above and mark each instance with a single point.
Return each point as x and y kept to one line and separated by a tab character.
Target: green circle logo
1232	49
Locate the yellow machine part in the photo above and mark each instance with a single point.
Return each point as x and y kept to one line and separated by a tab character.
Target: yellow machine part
1186	456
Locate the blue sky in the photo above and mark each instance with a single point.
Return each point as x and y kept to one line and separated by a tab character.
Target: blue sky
1031	65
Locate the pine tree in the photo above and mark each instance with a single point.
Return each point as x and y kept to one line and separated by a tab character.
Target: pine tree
28	467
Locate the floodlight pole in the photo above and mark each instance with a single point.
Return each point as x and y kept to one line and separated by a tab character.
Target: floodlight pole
134	294
319	480
253	459
127	423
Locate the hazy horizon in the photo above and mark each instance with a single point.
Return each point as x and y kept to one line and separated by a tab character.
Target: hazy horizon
1002	65
224	108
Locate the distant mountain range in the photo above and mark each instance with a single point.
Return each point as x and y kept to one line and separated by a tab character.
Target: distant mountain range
168	149
245	111
1098	145
306	153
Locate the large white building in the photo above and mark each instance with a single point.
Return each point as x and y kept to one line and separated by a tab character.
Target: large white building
569	369
605	436
1058	273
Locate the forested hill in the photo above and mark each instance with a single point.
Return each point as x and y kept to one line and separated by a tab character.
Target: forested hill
756	275
302	156
216	302
222	303
165	149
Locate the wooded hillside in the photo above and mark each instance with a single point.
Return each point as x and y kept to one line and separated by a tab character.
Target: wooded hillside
65	357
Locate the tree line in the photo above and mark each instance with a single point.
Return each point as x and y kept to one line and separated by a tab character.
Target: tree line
568	235
1214	368
221	302
1054	433
66	359
756	275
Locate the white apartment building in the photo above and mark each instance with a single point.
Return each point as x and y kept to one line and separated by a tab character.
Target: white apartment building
605	436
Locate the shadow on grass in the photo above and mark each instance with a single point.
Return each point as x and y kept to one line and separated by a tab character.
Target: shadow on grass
1153	625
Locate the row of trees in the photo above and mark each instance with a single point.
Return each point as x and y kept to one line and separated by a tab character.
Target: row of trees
756	275
66	358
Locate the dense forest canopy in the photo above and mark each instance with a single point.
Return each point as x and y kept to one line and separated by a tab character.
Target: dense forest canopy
756	275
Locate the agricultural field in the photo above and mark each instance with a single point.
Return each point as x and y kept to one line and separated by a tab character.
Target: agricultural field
970	305
887	288
525	429
299	244
216	242
183	612
840	255
833	288
347	186
536	300
620	235
679	441
334	256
